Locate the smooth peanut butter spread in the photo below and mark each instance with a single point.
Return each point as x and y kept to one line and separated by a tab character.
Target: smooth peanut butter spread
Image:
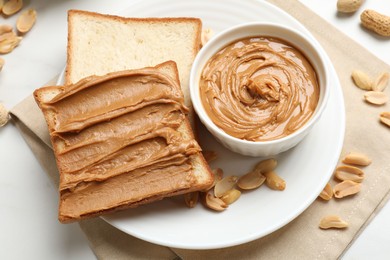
259	89
117	135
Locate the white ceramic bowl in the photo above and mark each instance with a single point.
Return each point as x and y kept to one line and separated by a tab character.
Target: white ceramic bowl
308	46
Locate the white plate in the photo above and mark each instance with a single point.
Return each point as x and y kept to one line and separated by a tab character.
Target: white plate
306	168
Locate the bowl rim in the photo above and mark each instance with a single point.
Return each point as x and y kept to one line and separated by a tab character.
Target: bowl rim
194	80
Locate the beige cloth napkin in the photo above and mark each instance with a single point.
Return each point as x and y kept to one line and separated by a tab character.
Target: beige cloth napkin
300	239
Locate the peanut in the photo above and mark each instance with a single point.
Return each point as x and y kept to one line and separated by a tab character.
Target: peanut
5	28
332	221
266	165
385	118
224	185
348	6
274	181
381	82
357	159
327	192
8	42
12	6
376	22
346	188
376	97
251	180
26	20
231	196
362	80
347	172
210	201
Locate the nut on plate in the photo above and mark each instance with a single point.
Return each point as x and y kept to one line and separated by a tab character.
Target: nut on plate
12	6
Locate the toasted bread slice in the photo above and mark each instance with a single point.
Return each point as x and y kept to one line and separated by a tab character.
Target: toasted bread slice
99	44
118	144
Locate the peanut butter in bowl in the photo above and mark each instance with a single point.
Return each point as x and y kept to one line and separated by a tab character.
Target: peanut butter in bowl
259	89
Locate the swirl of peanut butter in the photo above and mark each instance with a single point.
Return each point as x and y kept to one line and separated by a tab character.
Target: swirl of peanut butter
259	89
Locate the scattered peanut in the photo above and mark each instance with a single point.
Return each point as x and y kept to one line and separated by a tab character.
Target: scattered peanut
376	97
376	22
348	6
209	156
381	82
4	115
8	42
12	6
26	20
332	221
274	181
385	118
224	185
210	201
266	165
5	28
347	172
346	188
251	180
357	159
327	192
191	199
231	196
362	80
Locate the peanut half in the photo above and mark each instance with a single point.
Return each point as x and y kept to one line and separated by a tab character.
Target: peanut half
332	221
26	20
231	196
274	181
210	201
357	159
385	118
266	165
12	6
8	42
361	80
346	188
251	180
224	185
376	22
351	173
376	97
5	28
327	192
348	6
381	82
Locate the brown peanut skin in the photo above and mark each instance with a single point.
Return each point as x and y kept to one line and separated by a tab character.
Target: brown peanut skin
376	22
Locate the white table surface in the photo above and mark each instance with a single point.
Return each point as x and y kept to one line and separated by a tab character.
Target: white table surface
28	202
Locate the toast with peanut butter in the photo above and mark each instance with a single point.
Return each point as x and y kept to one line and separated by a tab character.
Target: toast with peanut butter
121	140
100	43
